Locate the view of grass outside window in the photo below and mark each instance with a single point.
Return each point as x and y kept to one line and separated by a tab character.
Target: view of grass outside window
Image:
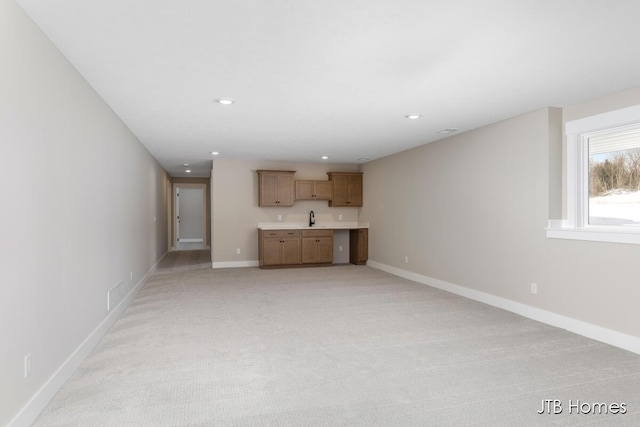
614	177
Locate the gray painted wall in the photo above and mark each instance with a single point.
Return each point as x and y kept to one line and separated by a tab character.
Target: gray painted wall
471	210
83	207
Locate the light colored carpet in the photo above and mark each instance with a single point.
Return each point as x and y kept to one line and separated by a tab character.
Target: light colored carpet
185	260
337	346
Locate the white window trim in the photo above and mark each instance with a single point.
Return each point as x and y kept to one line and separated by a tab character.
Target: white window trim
576	226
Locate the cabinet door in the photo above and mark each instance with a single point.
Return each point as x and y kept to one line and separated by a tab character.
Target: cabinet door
355	190
309	250
285	190
340	190
290	250
359	246
271	251
323	190
304	190
268	189
324	250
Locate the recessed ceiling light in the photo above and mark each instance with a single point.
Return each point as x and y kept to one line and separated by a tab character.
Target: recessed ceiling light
448	131
186	164
324	157
214	153
225	101
413	116
188	171
363	159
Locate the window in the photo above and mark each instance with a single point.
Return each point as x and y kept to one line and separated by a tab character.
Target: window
614	176
602	167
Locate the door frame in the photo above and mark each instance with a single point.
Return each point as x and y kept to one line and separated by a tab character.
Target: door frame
176	186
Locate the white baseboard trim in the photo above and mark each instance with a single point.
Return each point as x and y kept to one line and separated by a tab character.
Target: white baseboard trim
40	400
234	264
598	333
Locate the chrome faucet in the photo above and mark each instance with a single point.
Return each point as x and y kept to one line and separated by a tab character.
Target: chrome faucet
312	218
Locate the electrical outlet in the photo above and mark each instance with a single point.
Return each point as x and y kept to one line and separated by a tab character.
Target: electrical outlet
131	275
534	288
406	259
27	365
339	217
340	248
279	217
238	251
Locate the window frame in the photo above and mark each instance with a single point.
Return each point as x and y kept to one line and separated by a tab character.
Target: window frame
576	225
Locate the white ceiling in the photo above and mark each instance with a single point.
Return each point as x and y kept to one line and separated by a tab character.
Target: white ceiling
335	77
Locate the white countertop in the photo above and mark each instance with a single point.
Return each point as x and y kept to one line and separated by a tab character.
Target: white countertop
340	225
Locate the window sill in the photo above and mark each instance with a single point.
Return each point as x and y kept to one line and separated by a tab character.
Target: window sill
630	234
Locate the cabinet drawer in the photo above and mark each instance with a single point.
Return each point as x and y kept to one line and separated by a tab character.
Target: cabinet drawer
279	234
317	233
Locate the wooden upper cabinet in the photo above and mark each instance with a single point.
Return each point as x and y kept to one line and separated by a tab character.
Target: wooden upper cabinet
347	189
275	188
314	190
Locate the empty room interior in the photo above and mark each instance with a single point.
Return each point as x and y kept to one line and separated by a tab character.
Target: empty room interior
331	213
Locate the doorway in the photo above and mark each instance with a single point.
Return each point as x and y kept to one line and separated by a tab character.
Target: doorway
190	216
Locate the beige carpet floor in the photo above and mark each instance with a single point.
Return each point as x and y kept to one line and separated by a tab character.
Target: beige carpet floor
337	346
185	260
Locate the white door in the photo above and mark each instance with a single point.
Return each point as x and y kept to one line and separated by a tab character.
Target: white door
190	217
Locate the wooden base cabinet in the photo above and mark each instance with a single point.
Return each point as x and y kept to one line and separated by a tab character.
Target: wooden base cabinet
358	246
317	246
308	247
279	248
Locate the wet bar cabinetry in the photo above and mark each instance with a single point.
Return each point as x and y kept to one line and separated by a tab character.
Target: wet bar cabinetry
279	248
347	189
314	190
279	189
317	246
358	246
275	188
287	245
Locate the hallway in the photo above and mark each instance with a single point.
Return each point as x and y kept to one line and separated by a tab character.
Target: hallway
185	260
